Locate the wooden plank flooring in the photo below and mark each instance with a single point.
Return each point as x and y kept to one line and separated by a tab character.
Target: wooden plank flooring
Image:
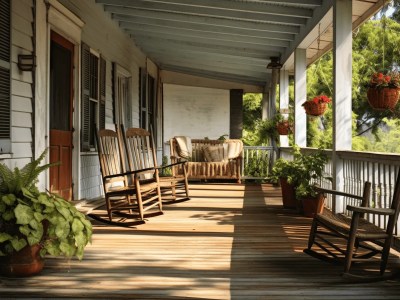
228	242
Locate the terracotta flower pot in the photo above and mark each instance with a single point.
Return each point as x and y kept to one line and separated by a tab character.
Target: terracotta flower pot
313	205
26	262
288	194
383	99
283	127
314	109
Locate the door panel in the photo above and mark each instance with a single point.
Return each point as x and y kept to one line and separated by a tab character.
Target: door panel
61	95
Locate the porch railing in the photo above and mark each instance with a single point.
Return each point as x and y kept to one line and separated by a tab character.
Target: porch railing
378	168
257	162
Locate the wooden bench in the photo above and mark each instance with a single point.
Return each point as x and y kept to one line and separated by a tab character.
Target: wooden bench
210	159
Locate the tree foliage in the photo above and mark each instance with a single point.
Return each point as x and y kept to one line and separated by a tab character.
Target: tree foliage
376	48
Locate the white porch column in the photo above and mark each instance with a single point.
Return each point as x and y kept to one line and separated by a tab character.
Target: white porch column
284	102
274	84
300	95
265	102
342	74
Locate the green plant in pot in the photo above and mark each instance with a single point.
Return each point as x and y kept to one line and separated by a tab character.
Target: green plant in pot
306	180
33	223
298	177
284	172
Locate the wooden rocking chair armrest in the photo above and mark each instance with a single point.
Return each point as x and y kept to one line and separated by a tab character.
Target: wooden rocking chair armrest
338	193
129	173
371	210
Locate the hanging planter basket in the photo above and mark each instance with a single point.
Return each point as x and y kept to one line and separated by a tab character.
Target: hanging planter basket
383	98
283	127
314	109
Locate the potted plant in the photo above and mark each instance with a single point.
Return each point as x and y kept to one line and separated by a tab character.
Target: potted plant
317	105
297	178
383	90
282	172
33	223
306	178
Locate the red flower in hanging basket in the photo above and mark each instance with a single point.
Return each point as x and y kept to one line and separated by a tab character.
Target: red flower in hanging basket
317	105
383	92
389	80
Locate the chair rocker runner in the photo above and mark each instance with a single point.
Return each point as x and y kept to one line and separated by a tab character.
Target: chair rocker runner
141	154
125	191
364	240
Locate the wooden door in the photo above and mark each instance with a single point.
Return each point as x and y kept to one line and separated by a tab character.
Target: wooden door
61	95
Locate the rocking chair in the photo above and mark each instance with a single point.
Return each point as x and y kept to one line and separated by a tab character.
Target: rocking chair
141	154
125	191
364	240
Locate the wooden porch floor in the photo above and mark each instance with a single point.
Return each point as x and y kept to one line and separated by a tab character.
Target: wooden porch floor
228	242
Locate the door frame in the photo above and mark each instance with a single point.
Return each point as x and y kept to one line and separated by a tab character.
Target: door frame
66	44
68	25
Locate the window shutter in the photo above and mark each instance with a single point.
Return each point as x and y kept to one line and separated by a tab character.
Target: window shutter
4	103
102	102
5	21
5	79
128	103
85	127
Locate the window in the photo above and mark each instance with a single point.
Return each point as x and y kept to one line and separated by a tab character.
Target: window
5	76
93	96
148	103
122	96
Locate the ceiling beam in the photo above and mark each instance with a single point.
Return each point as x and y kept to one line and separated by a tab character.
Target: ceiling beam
206	11
187	34
121	13
208	42
215	75
311	3
267	8
133	21
210	67
209	62
164	44
184	53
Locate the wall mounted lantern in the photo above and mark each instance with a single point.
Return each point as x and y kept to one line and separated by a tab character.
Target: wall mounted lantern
26	62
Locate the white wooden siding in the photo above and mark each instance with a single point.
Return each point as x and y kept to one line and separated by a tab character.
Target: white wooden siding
91	184
22	135
21	104
21	84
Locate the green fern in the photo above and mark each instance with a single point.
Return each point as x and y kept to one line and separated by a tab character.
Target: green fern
12	181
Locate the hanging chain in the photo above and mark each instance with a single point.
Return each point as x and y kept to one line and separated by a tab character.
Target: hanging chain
383	21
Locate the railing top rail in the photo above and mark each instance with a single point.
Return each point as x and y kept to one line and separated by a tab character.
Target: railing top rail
258	147
374	157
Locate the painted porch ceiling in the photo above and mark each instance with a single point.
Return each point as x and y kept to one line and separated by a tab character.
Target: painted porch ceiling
230	40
